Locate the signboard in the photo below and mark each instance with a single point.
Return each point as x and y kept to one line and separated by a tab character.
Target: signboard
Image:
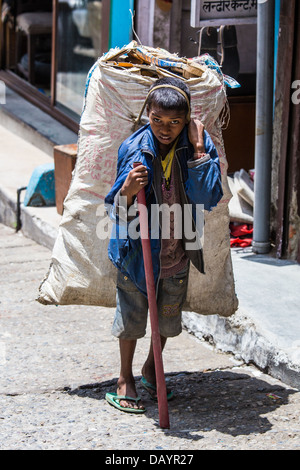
222	12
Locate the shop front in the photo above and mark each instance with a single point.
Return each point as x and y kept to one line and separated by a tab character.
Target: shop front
47	49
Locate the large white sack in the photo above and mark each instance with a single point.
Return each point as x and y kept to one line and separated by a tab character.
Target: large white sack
80	272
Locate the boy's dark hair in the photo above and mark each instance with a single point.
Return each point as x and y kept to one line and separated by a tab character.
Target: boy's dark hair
168	98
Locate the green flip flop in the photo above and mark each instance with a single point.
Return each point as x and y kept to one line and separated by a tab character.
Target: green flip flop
151	388
114	400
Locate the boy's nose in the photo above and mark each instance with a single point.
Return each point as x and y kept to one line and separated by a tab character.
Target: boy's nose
166	127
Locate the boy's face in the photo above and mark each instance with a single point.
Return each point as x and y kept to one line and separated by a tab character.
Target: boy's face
166	125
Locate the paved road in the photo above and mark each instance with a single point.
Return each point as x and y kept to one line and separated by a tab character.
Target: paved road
57	363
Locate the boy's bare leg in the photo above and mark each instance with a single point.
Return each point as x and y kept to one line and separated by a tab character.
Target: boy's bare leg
148	370
126	383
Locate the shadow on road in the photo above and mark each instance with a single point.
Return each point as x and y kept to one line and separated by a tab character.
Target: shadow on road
233	403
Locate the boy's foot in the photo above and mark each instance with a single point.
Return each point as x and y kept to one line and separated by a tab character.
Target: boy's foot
128	390
148	381
149	374
115	400
151	389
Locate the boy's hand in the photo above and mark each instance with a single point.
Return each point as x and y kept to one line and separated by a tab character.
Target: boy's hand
196	135
136	179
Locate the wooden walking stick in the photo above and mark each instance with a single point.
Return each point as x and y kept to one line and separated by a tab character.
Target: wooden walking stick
156	342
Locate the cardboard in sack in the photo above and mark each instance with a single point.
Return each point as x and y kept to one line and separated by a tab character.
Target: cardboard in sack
80	272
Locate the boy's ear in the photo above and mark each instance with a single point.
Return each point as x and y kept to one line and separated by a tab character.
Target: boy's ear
148	110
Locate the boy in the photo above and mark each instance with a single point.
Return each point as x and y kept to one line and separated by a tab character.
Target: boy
178	165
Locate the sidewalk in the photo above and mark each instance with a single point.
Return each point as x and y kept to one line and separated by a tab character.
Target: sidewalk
265	330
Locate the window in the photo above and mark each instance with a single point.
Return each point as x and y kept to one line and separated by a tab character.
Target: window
78	47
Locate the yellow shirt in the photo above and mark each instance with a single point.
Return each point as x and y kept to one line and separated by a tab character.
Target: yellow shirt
167	163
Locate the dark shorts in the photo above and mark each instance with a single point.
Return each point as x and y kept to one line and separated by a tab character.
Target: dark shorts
132	307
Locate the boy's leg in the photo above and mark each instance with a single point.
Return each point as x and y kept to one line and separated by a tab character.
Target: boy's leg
148	370
126	383
129	325
171	297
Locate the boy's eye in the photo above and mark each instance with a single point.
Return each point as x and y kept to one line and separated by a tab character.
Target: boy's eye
158	121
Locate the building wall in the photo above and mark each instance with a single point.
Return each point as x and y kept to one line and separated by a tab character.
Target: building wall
285	204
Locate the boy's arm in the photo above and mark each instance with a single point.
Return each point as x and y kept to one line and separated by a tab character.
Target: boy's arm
122	194
204	184
196	137
136	179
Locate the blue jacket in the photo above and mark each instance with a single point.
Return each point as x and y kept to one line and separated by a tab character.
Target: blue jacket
200	184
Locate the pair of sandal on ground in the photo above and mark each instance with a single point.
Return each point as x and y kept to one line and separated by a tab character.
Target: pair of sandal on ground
208	44
114	399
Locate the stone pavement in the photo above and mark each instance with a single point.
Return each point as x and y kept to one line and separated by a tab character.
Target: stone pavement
57	363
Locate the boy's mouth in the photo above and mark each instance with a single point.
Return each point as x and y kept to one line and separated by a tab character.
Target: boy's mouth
164	138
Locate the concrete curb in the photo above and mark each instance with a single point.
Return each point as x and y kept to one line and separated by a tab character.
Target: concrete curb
37	229
32	226
240	336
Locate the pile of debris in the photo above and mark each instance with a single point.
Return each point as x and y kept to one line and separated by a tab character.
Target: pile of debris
158	63
152	62
241	206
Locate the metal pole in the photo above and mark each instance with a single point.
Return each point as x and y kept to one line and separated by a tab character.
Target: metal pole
264	125
19	222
